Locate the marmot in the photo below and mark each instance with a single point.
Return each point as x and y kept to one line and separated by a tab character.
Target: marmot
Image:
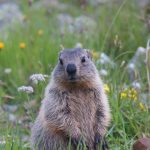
75	112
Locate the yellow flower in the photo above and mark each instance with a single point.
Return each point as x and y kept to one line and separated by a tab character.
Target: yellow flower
1	45
142	107
132	94
134	91
106	88
134	97
40	32
95	54
123	95
22	45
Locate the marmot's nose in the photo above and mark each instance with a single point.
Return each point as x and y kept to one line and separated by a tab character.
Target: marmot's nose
71	69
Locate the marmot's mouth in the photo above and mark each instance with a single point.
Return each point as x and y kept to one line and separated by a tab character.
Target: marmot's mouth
72	79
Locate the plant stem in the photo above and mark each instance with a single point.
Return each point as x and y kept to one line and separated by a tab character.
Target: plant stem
148	65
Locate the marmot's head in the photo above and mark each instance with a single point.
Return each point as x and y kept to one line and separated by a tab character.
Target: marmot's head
75	66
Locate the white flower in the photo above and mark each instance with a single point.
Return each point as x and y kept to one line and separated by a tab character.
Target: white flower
103	72
136	85
7	70
78	45
141	50
131	66
2	142
26	89
104	59
101	61
35	78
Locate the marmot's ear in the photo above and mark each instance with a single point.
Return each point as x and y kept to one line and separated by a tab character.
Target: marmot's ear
61	50
60	53
89	54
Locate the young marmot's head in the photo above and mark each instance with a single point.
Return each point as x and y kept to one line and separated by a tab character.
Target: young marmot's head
75	66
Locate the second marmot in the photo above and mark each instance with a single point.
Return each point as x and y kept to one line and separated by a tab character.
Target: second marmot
75	112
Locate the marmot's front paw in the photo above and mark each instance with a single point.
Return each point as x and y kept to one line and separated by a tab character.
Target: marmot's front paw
78	143
99	140
104	145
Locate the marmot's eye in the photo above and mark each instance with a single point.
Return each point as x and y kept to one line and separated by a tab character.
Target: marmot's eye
60	60
83	59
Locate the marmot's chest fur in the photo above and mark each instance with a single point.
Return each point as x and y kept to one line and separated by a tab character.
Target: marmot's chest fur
82	106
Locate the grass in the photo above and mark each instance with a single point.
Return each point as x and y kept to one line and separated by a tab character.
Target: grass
39	55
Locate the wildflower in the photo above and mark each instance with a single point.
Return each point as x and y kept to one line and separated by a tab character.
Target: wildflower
123	95
104	59
7	70
133	97
22	45
95	54
40	32
136	85
2	142
35	78
78	45
132	94
133	91
131	66
141	50
103	72
26	89
142	107
106	88
1	45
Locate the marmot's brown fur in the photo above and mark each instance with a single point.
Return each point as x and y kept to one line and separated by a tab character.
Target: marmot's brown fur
75	111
